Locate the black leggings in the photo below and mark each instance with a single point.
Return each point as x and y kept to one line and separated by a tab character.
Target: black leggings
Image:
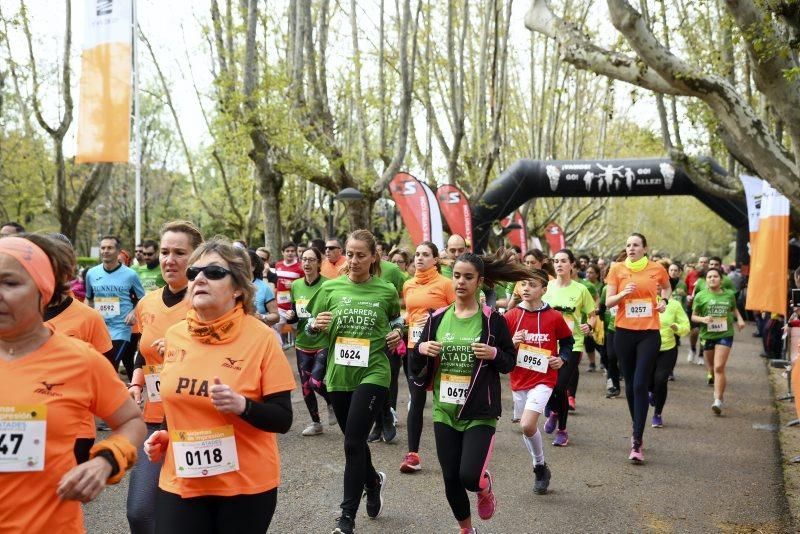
665	363
417	395
355	412
612	364
559	401
464	457
243	514
637	351
311	368
390	402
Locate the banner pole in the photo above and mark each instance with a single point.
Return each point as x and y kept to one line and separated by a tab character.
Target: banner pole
136	130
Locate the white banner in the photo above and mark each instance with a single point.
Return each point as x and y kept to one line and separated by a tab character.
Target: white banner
437	230
753	187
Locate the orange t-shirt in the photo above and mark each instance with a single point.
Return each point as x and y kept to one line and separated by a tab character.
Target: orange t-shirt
82	322
70	379
155	319
632	311
253	365
428	290
331	270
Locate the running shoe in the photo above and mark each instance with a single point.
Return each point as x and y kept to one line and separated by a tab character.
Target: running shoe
375	497
699	360
486	500
592	368
550	424
657	422
467	531
542	482
717	407
344	525
651	399
314	429
671	377
710	379
562	439
612	392
389	428
375	435
331	416
636	455
411	463
571	403
515	420
690	356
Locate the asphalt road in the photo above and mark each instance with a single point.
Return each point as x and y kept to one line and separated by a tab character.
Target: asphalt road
702	473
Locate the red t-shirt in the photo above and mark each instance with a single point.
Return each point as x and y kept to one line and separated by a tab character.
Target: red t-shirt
544	328
286	275
691	279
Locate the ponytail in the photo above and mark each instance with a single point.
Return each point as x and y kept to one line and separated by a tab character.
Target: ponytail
499	267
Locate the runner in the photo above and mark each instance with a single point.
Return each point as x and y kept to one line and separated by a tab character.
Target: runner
692	277
268	274
358	316
634	287
312	354
264	299
543	342
156	313
715	309
593	283
288	270
11	228
674	323
427	291
113	289
400	257
149	270
226	390
456	246
466	346
577	306
334	260
50	383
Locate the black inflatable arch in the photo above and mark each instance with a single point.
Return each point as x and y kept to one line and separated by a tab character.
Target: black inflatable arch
528	179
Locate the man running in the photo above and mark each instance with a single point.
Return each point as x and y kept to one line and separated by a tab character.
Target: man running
288	270
149	270
456	246
333	259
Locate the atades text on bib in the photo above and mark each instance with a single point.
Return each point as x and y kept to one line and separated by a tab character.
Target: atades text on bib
23	429
204	453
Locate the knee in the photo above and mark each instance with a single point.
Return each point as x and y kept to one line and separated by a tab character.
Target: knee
719	369
528	429
353	447
471	481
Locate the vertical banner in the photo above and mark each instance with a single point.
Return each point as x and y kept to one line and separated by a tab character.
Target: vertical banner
769	263
104	107
752	191
456	211
518	236
437	231
412	202
554	236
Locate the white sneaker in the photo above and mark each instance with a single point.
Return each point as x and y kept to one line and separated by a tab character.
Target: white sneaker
314	429
331	416
690	356
717	407
609	383
699	360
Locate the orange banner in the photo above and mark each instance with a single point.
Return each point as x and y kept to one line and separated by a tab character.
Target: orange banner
768	285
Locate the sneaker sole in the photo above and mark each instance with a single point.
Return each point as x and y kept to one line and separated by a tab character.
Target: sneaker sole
717	410
561	444
383	487
410	468
636	461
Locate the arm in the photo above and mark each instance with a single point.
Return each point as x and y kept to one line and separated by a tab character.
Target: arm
682	325
272	316
273	414
565	346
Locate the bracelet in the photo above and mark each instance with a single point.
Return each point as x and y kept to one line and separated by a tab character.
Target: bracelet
137	385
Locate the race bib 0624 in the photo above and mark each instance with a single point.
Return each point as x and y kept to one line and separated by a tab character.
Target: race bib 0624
351	351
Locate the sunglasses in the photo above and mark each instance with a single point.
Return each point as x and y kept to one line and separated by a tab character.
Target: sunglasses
332	248
212	272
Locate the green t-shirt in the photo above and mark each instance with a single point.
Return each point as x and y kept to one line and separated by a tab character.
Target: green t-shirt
447	270
392	274
301	294
575	303
718	305
455	369
680	293
151	279
726	284
590	286
361	316
608	317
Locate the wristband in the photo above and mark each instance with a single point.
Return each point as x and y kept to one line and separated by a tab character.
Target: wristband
141	387
122	451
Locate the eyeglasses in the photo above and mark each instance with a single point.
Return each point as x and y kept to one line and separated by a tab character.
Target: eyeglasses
212	272
308	260
332	248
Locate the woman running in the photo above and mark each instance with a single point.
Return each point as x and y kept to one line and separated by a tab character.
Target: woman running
634	287
264	299
674	323
358	315
312	353
226	390
462	351
595	286
715	309
50	383
156	313
577	307
426	292
543	342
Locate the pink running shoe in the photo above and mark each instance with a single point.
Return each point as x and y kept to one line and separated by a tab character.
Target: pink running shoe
411	463
636	455
486	501
562	438
550	424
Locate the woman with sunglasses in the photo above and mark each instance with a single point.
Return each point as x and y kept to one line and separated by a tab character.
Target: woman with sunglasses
312	353
577	307
156	313
226	390
358	317
634	287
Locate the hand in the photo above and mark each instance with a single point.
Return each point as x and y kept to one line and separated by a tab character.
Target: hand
84	482
740	325
322	321
135	391
156	445
130	319
628	289
290	315
430	348
555	362
482	351
393	339
674	327
662	306
225	400
708	320
585	329
160	346
519	337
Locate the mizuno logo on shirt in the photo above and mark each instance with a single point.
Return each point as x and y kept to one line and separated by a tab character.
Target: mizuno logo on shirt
48	389
230	363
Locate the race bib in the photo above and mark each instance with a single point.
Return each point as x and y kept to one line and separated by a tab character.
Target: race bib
453	389
533	358
613	310
638	308
204	453
302	311
414	333
351	351
284	297
107	306
23	429
718	324
153	382
570	323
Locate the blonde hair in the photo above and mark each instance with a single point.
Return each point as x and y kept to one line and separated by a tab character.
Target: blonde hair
365	236
184	227
238	264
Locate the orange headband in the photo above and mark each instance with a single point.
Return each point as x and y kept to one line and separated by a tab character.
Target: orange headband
34	261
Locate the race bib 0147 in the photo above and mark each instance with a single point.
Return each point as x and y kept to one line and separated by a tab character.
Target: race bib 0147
23	432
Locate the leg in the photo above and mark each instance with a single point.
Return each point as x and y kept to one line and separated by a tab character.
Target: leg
665	363
305	365
417	395
611	355
708	356
565	376
645	358
128	355
573	379
245	514
174	514
624	346
449	443
318	374
142	486
721	354
119	346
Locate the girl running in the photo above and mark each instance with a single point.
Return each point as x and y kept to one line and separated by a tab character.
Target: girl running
543	342
715	309
674	323
464	349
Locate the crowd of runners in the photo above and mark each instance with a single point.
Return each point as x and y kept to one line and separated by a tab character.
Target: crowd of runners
179	350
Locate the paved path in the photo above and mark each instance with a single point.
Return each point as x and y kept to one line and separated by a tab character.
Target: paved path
702	473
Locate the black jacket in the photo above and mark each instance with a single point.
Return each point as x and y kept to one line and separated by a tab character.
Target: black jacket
483	395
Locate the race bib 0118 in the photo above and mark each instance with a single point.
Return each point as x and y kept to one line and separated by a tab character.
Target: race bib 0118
204	453
23	432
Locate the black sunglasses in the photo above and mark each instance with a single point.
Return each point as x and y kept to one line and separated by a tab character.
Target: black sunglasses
331	248
212	272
